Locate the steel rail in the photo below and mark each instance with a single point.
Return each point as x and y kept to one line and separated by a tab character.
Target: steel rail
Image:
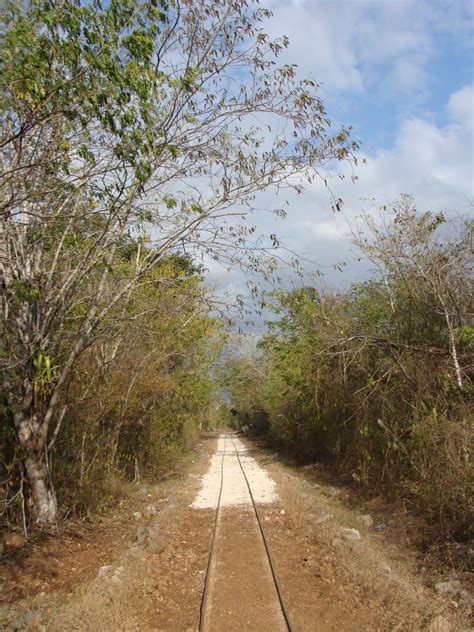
207	579
205	592
284	609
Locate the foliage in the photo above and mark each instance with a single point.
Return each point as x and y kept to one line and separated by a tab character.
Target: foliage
366	380
132	131
137	397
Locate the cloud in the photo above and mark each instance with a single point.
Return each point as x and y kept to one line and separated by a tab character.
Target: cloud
434	163
368	46
330	230
461	107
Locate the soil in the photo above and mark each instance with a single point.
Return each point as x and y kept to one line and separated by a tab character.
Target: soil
61	561
143	567
243	594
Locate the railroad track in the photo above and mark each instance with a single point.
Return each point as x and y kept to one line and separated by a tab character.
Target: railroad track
205	599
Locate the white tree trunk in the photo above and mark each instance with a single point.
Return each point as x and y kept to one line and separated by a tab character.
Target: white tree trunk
32	433
45	506
454	353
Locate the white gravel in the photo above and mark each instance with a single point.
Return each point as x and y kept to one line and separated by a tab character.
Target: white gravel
234	491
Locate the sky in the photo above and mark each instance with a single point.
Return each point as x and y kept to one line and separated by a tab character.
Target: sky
400	73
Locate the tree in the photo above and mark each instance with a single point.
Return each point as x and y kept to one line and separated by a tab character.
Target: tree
412	251
142	120
141	391
376	381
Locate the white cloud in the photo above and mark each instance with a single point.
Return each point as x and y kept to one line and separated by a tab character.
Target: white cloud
434	163
461	107
330	230
372	46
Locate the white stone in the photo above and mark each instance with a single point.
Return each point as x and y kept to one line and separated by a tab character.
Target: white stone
440	624
366	521
448	588
351	534
324	517
466	598
234	491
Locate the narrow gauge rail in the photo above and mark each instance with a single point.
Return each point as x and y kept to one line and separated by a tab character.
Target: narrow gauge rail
205	593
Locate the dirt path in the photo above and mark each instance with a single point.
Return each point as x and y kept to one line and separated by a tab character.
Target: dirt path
242	594
335	573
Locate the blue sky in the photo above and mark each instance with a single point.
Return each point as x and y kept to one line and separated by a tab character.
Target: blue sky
400	72
415	79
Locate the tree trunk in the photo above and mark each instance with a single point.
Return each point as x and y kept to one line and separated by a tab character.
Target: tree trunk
452	346
31	432
45	506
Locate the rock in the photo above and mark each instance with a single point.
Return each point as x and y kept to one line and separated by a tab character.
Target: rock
282	512
453	589
351	534
14	541
324	517
117	576
366	520
142	535
466	598
103	570
449	588
5	612
137	515
25	620
440	624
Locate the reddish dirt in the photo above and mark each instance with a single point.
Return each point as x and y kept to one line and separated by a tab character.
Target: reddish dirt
157	568
59	562
317	594
242	593
176	572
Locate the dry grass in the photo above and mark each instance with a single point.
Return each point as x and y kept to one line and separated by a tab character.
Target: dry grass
385	571
124	598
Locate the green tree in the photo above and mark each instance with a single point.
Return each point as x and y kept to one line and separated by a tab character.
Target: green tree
376	381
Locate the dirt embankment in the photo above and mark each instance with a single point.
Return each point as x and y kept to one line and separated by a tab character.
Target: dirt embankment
143	567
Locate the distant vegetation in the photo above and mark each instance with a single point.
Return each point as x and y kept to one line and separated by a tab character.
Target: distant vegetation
376	381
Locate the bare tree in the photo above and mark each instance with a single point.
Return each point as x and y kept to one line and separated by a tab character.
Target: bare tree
433	265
